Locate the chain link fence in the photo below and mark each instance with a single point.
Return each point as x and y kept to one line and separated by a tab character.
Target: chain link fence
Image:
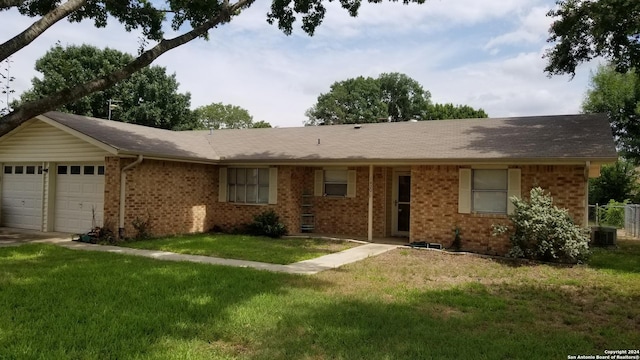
624	217
632	220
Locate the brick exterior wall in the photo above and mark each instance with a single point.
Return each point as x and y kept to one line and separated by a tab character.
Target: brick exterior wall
434	204
349	216
175	197
183	198
111	193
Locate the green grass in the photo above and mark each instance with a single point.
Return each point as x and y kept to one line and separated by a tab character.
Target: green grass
245	247
407	304
625	257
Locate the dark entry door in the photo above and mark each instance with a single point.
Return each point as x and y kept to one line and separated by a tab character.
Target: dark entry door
404	203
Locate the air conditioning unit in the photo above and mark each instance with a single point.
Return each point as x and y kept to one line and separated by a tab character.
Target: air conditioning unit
603	235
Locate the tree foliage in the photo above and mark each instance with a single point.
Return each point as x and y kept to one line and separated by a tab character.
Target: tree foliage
390	97
405	98
542	231
357	100
226	116
617	95
149	97
191	20
588	29
261	125
450	111
618	182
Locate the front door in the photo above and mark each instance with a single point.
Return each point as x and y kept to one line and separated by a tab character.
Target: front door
402	203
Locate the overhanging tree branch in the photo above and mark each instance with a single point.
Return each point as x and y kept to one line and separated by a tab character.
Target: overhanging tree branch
37	107
36	29
6	4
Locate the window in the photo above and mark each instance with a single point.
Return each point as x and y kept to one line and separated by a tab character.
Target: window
100	170
19	170
248	185
89	170
335	182
489	189
62	169
8	169
75	169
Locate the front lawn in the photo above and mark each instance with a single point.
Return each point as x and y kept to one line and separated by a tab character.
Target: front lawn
244	247
406	304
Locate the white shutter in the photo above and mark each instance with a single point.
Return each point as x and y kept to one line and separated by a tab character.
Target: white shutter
513	188
222	185
318	183
273	185
351	183
464	191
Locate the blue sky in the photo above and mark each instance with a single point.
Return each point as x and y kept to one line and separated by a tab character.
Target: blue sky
487	54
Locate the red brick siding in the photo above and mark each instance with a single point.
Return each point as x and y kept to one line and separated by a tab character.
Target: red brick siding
111	193
176	197
566	184
434	204
183	198
349	216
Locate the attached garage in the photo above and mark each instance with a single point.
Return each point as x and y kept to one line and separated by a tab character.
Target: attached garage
52	178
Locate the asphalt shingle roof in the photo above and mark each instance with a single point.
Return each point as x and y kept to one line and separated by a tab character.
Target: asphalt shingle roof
558	137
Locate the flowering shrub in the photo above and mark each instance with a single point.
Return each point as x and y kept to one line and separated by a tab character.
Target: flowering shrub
542	231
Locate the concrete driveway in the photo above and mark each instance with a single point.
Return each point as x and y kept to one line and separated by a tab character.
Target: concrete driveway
11	236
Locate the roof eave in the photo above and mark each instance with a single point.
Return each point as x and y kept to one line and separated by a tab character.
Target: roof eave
405	162
162	157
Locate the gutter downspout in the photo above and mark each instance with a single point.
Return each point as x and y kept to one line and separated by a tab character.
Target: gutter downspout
586	194
123	185
370	210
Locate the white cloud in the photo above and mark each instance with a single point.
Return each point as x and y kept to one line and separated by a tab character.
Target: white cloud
533	28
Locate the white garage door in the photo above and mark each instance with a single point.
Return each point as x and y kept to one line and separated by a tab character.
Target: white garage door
79	197
22	196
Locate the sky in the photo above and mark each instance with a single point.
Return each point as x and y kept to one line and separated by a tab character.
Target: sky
486	54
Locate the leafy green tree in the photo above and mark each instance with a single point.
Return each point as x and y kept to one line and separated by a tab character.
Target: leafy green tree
351	101
390	97
618	182
450	111
221	116
585	30
149	97
618	96
261	124
405	98
189	19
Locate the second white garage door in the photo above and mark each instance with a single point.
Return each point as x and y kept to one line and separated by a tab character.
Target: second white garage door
79	197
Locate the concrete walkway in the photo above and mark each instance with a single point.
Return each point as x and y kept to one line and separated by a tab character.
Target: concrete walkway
307	267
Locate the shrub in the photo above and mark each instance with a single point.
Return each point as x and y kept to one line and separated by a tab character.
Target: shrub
267	224
613	213
542	231
142	227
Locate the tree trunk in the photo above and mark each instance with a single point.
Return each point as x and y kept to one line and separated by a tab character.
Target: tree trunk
6	4
36	29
